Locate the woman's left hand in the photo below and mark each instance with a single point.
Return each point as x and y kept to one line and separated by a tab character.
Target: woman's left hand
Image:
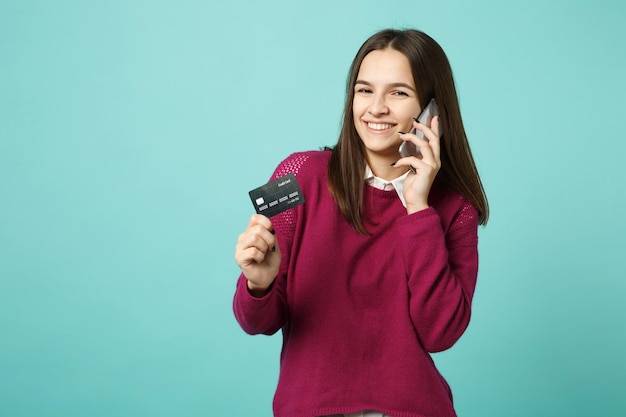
424	167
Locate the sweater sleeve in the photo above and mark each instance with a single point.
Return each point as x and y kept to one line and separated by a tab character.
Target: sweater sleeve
268	314
442	268
264	315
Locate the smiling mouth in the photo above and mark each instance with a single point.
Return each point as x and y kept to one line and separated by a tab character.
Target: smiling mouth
380	126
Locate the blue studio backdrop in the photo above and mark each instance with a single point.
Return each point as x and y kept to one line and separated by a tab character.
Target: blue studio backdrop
131	132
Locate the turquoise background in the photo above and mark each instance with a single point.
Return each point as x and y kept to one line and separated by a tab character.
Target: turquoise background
131	132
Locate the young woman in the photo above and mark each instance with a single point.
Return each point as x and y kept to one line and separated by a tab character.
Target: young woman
378	268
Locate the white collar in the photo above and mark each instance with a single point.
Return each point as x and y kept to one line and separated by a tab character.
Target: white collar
395	184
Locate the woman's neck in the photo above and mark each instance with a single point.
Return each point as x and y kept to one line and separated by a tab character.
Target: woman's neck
382	168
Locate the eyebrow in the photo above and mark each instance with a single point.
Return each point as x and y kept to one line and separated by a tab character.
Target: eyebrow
405	85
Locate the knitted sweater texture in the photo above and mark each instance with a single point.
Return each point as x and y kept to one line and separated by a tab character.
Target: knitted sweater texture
360	314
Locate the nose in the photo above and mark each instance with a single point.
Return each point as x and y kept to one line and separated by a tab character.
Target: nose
378	106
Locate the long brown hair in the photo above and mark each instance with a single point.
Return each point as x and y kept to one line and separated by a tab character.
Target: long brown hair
432	75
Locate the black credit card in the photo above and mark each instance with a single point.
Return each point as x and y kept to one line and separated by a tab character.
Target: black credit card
277	196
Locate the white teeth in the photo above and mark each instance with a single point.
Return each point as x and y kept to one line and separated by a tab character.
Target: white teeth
379	126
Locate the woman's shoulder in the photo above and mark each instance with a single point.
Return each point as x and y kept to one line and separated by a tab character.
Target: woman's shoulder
446	199
303	164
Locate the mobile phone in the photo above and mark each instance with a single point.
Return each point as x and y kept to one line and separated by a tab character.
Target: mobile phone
426	116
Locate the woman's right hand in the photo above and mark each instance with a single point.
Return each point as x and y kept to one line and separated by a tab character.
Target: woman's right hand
258	255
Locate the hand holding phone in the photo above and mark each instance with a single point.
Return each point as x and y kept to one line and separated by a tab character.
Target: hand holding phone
426	116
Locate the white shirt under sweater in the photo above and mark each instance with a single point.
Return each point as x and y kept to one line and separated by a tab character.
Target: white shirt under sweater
395	184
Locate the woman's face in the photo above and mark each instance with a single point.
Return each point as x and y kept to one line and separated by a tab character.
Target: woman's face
385	102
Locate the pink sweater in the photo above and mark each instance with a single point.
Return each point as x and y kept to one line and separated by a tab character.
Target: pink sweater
360	314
